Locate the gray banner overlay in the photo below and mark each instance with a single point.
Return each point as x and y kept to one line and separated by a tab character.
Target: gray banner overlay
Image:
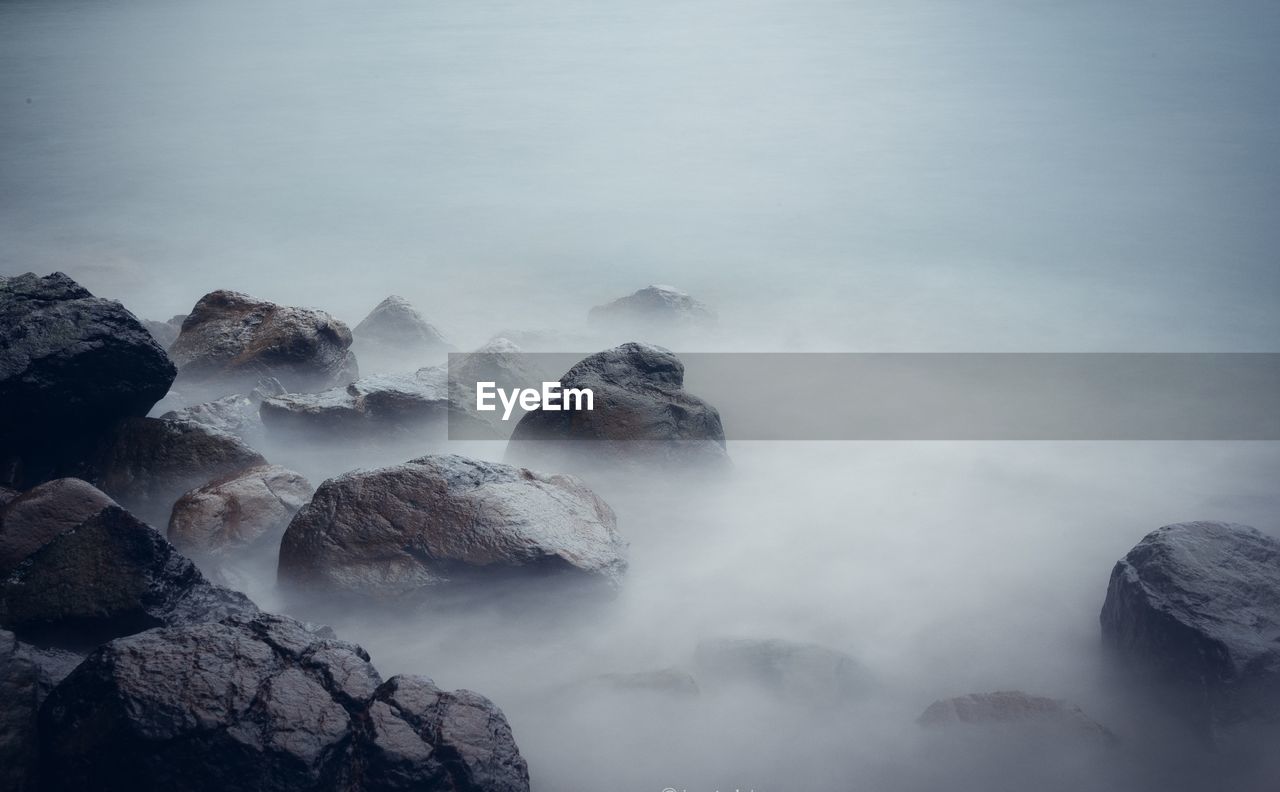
970	396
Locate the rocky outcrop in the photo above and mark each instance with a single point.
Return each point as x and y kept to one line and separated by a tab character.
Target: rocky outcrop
395	333
148	463
642	414
1053	718
1197	606
239	513
265	704
653	306
108	577
801	671
231	340
448	520
71	364
38	515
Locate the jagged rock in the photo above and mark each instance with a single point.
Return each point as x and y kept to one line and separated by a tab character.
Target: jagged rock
238	513
1197	605
803	671
165	333
653	306
265	704
38	515
27	674
665	681
394	332
108	577
448	519
1051	718
148	463
642	414
231	340
71	364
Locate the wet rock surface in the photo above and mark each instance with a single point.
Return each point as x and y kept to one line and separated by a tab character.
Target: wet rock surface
246	511
41	513
231	340
71	364
1197	606
148	463
448	519
801	671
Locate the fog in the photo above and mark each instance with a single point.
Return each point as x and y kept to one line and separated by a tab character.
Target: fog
915	176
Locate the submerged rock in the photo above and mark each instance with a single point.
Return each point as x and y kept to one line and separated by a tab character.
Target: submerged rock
108	577
802	671
654	306
395	333
270	705
1197	605
148	463
238	513
231	340
41	513
1052	718
642	414
447	520
71	364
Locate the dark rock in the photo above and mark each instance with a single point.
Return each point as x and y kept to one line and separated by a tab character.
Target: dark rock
27	675
448	519
108	577
394	332
41	513
71	364
642	414
265	704
1052	718
1197	605
653	306
802	671
148	463
231	340
238	513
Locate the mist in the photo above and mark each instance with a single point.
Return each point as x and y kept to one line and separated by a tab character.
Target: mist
991	176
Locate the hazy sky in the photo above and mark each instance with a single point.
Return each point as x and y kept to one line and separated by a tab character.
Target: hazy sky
877	176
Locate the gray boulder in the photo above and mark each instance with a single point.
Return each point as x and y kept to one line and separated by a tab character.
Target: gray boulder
1197	605
41	513
241	513
448	520
395	333
800	671
231	340
71	364
654	306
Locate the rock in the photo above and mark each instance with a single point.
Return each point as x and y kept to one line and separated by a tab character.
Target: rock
37	516
642	415
448	520
234	415
420	737
672	682
239	513
71	364
1050	717
108	577
395	333
653	306
27	675
148	463
7	495
802	671
165	333
269	705
232	340
1197	605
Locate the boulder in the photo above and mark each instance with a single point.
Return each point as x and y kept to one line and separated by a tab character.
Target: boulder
801	671
1197	605
236	414
642	415
448	520
38	515
395	333
239	513
108	577
231	340
654	306
27	675
270	705
148	463
1050	718
71	364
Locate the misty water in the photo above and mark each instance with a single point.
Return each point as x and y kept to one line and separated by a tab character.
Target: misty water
842	176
